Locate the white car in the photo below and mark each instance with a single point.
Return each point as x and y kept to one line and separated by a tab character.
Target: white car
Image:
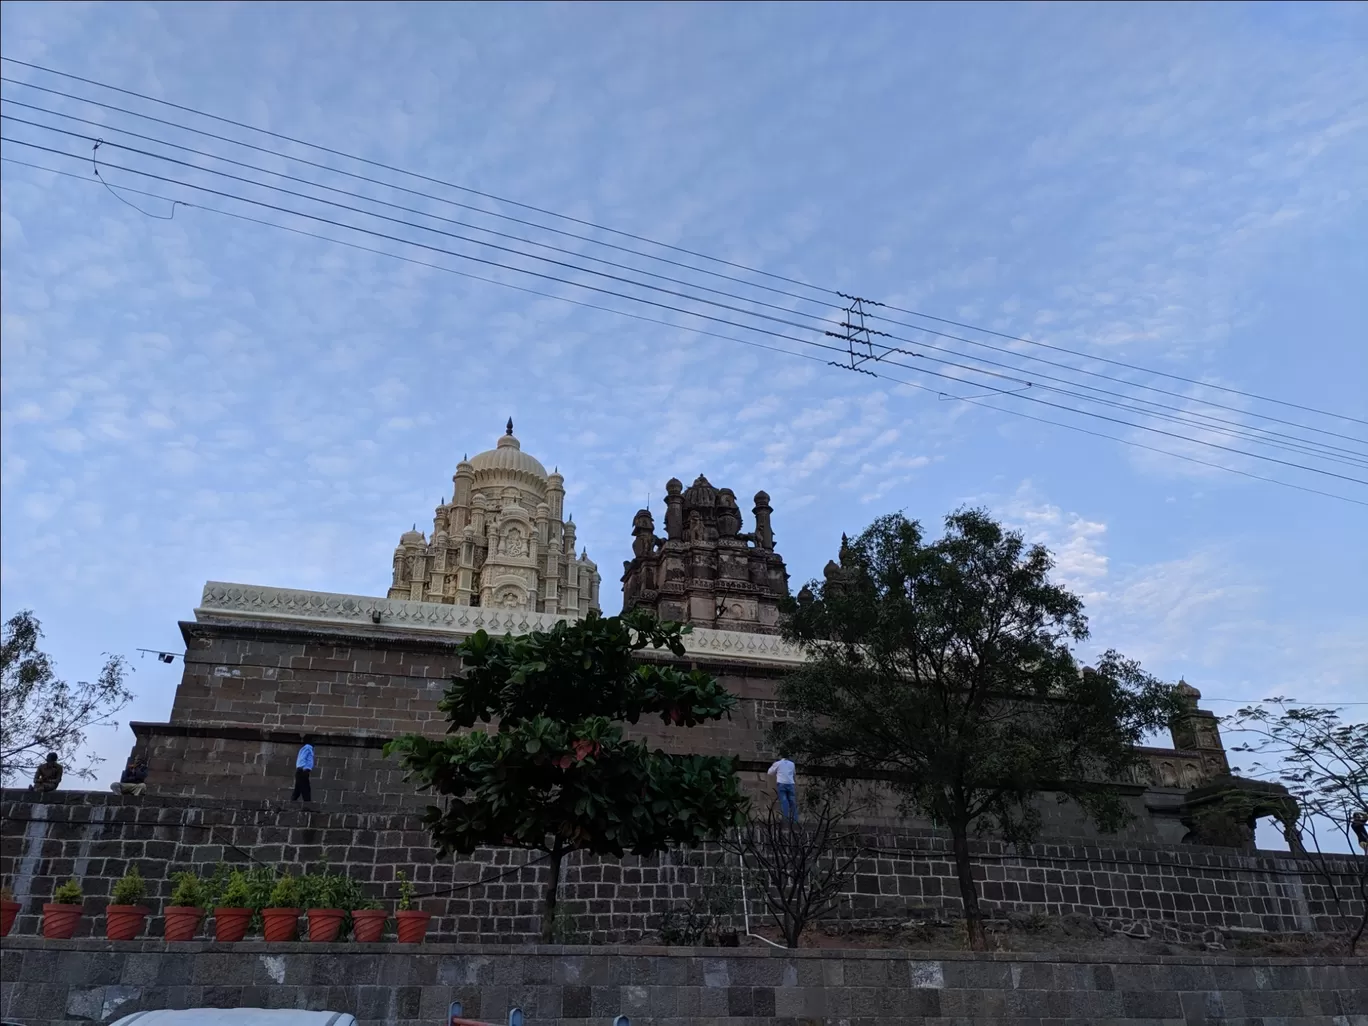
235	1017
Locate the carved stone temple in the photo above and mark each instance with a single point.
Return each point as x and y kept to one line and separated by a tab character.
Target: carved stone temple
705	570
500	542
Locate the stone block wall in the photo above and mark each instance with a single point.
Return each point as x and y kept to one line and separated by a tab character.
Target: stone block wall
494	895
52	983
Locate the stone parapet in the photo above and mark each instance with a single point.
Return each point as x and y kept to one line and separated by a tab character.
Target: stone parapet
494	894
58	982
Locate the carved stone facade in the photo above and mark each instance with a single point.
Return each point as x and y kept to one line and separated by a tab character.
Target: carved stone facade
705	571
500	542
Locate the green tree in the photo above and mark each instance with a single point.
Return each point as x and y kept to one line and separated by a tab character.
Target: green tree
41	713
948	665
557	775
1323	763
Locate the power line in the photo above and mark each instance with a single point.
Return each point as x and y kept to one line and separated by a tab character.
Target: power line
1219	425
748	342
646	285
640	238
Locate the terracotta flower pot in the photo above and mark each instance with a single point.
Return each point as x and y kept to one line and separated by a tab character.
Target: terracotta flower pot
8	911
124	922
368	924
325	924
182	921
280	924
230	924
60	921
412	926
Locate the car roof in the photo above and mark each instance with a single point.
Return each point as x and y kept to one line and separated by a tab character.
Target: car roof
236	1017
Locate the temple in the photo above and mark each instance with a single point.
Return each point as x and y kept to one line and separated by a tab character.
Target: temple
705	570
500	542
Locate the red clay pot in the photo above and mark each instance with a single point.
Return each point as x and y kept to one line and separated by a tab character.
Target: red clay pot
124	922
230	924
368	925
412	926
8	910
280	924
182	922
60	921
325	924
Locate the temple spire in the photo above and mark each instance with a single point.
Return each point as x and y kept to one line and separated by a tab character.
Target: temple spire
509	429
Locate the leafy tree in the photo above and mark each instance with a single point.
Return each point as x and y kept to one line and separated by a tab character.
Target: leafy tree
1323	763
41	713
556	775
948	665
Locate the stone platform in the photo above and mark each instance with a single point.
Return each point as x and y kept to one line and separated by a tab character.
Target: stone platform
68	982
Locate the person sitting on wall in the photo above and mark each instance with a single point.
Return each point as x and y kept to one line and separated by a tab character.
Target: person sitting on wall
304	764
134	778
48	775
784	773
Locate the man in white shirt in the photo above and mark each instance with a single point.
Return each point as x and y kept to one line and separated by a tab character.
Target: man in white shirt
784	772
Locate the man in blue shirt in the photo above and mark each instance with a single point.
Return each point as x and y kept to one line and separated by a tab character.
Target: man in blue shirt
304	764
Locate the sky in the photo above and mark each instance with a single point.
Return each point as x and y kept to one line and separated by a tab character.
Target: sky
191	397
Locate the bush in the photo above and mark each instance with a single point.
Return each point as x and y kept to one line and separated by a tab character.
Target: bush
287	893
68	893
130	889
236	891
188	892
405	891
6	894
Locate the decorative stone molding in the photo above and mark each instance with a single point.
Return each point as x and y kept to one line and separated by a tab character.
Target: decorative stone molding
222	600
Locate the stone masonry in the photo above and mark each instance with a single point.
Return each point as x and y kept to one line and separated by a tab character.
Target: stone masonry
68	982
493	896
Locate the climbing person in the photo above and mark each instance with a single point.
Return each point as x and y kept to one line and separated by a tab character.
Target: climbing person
1359	824
48	775
784	773
304	764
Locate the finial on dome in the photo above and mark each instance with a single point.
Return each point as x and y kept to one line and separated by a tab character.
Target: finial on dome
509	429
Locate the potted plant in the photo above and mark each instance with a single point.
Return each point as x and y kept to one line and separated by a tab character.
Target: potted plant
63	914
9	909
186	908
324	895
412	922
280	917
233	908
124	917
368	921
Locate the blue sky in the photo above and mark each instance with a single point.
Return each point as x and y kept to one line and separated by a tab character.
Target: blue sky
1176	186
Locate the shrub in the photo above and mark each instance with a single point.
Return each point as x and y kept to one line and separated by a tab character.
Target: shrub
287	893
6	894
188	892
68	893
405	891
236	891
130	889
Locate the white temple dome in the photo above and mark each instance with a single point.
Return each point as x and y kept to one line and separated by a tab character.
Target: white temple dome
507	456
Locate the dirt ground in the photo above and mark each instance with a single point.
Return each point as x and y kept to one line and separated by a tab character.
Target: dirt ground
1043	935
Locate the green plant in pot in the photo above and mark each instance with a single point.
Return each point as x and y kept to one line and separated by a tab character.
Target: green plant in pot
233	904
62	915
280	917
9	909
412	922
182	914
124	915
368	921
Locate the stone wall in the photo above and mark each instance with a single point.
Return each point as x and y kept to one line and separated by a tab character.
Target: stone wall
494	895
52	983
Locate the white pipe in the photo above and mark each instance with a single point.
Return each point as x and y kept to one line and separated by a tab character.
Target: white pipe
745	902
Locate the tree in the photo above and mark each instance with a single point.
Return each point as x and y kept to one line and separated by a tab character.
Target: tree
802	868
1323	763
41	713
557	775
948	666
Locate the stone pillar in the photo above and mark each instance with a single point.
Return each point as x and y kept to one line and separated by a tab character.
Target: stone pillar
1197	730
674	510
764	534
